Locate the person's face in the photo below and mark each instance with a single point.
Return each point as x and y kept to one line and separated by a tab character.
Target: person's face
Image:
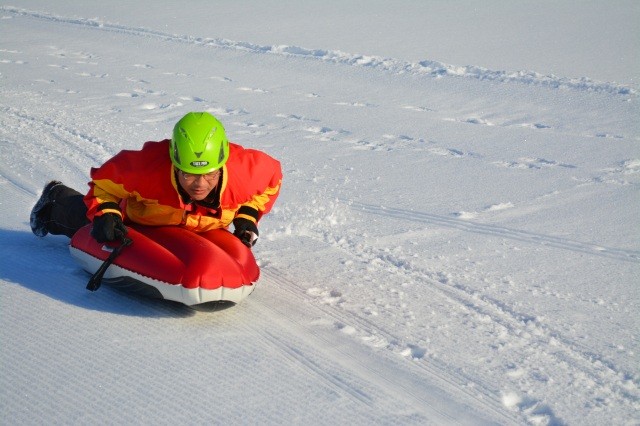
198	186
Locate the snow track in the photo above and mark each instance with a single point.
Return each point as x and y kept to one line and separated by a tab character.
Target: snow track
430	68
507	324
425	384
497	231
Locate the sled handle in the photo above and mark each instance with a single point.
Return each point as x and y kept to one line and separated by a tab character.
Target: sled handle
96	280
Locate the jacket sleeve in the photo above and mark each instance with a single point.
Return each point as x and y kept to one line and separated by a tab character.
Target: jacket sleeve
125	176
264	181
104	196
106	189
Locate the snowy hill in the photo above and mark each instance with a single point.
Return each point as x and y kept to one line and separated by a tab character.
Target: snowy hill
453	244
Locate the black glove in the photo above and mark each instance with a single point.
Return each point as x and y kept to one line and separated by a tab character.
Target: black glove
108	227
246	230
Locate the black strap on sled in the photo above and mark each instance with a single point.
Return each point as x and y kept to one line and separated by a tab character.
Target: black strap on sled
96	280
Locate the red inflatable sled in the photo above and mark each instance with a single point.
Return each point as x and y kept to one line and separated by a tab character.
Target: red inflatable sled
210	270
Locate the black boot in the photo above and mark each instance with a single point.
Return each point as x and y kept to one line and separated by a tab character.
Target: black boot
42	210
59	211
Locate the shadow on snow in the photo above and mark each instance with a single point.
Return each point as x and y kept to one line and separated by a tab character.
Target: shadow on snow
44	265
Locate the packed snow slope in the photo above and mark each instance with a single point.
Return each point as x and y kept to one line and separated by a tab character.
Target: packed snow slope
453	244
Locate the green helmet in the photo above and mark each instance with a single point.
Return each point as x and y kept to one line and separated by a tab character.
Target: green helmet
199	144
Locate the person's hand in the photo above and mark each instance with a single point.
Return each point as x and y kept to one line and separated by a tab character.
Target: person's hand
108	227
246	231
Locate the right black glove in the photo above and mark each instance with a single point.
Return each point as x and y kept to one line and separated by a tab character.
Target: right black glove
246	230
108	227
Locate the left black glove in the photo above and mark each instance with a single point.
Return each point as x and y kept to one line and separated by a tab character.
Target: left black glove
246	231
108	227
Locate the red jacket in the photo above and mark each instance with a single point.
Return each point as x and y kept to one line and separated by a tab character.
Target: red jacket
143	184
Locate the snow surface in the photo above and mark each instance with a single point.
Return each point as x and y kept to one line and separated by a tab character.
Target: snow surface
454	243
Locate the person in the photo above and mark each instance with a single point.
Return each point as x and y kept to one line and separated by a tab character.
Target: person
196	180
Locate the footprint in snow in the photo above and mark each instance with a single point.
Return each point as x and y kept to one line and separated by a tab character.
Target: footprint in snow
255	129
490	208
535	411
88	74
414	352
533	163
294	117
191	99
253	90
622	174
471	120
227	111
346	329
484	122
418	108
326	297
127	95
447	152
149	92
10	61
466	215
152	106
535	126
221	79
401	138
137	80
355	104
324	133
178	74
499	206
608	136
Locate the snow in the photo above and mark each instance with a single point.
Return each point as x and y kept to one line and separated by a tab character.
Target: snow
456	241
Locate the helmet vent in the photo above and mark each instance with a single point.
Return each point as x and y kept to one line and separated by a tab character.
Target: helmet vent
176	154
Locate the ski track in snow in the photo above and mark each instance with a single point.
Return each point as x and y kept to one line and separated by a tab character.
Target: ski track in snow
507	324
493	230
315	347
371	335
